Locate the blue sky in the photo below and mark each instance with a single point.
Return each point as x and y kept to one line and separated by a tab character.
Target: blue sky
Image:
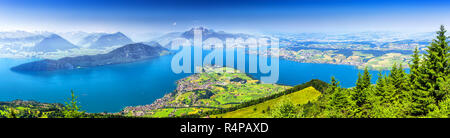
229	15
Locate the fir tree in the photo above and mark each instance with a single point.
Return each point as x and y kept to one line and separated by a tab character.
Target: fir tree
398	81
357	94
414	74
393	75
72	110
366	78
402	85
420	96
363	81
340	102
360	95
380	87
436	63
338	98
334	84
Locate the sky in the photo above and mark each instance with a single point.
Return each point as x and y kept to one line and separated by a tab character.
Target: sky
152	16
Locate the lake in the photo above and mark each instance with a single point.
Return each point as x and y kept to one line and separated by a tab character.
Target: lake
111	88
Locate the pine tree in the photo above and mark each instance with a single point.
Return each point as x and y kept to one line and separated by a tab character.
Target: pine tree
403	80
414	74
399	81
393	75
336	95
358	95
363	81
72	110
334	84
339	99
390	89
360	92
419	95
366	78
359	85
380	87
340	103
436	64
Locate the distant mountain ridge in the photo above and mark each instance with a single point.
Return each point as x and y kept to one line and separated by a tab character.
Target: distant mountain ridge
53	43
107	40
208	33
20	40
125	54
88	40
74	37
165	40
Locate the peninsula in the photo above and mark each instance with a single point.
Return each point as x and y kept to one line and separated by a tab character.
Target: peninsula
125	54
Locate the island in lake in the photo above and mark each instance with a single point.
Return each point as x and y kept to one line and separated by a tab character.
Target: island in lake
125	54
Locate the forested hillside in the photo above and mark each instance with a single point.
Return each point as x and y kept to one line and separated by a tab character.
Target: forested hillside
424	92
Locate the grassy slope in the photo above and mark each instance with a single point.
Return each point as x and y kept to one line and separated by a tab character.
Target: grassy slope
299	97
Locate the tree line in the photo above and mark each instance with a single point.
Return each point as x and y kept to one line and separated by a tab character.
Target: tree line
424	92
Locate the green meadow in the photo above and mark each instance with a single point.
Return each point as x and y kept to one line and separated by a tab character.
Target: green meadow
262	110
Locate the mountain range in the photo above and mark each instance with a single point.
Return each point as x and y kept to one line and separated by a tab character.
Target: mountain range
125	54
165	40
208	33
15	42
53	43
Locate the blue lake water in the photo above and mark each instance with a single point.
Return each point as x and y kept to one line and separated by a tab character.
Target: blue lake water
110	88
